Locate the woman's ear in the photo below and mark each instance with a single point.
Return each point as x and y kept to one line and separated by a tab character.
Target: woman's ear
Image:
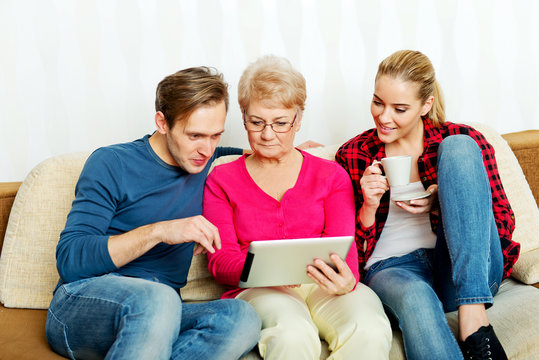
161	123
427	105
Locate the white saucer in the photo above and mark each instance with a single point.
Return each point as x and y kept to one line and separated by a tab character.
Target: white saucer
411	196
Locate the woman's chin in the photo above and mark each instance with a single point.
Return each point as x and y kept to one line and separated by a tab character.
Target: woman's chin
386	137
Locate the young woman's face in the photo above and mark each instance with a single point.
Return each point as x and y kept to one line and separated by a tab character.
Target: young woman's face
396	109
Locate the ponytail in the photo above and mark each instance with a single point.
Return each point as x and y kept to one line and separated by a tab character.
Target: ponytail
437	112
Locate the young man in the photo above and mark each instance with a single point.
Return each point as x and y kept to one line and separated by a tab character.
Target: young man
129	238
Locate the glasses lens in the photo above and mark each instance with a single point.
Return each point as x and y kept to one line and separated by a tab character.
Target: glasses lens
254	125
278	126
281	126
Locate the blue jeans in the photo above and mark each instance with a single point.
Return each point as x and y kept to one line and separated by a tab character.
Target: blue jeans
117	317
465	267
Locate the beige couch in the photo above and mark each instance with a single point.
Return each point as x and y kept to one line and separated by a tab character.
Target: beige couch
37	215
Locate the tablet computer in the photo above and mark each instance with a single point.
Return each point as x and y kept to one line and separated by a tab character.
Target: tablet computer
284	261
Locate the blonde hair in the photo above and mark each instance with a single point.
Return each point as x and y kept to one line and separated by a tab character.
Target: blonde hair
273	81
413	66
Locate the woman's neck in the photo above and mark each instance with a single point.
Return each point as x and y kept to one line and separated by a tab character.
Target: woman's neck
289	159
275	176
410	144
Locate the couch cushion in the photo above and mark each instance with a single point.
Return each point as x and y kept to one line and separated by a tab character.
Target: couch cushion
22	335
27	264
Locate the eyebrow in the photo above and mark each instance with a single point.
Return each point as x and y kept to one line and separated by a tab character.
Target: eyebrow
190	133
376	96
261	118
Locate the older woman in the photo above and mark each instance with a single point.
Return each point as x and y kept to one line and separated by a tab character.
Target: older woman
282	192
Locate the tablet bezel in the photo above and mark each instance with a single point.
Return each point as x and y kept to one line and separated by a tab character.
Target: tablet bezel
284	261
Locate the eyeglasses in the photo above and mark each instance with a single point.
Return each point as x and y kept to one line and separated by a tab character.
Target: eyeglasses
277	126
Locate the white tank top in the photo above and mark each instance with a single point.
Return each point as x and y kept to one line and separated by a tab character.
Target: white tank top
403	232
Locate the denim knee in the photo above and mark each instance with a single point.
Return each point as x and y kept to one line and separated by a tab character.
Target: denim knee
150	316
459	148
241	318
418	298
157	308
415	297
220	329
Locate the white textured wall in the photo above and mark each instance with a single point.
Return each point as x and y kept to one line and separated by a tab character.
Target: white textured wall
75	75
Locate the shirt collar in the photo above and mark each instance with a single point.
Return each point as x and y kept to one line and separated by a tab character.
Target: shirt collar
432	134
374	146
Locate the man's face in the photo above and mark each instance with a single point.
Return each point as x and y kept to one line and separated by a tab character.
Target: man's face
191	142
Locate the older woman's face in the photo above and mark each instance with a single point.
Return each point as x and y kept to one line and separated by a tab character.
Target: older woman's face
268	143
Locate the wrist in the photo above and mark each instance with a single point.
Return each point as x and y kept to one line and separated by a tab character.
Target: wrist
155	233
367	216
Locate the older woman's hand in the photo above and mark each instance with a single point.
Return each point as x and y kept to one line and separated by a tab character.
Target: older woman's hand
333	282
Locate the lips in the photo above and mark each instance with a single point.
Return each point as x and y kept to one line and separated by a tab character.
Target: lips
385	130
199	162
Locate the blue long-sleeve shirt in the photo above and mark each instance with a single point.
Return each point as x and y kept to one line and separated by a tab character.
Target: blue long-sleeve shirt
123	187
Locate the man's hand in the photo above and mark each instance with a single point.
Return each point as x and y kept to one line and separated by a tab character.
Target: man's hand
333	282
195	229
131	245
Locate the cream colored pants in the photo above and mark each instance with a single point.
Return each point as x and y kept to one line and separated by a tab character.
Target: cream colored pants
294	320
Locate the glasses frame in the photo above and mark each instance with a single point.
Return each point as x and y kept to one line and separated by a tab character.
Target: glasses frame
270	125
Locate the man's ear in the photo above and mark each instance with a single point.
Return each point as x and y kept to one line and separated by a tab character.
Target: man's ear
161	123
427	105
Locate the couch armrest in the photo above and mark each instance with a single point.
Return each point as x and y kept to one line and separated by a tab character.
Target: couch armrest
525	146
8	190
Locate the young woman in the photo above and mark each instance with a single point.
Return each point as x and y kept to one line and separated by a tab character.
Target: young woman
443	252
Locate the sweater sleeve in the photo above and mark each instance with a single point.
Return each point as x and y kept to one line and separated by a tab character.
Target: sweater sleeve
340	214
225	264
224	151
82	249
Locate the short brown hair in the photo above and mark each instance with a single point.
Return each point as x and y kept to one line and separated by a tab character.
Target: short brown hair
181	93
274	81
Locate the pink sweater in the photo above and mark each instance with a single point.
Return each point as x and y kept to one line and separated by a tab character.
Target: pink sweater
320	204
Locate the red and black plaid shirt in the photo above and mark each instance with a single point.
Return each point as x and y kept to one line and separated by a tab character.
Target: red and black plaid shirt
358	153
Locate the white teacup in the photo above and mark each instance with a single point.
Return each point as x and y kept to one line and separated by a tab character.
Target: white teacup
397	169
